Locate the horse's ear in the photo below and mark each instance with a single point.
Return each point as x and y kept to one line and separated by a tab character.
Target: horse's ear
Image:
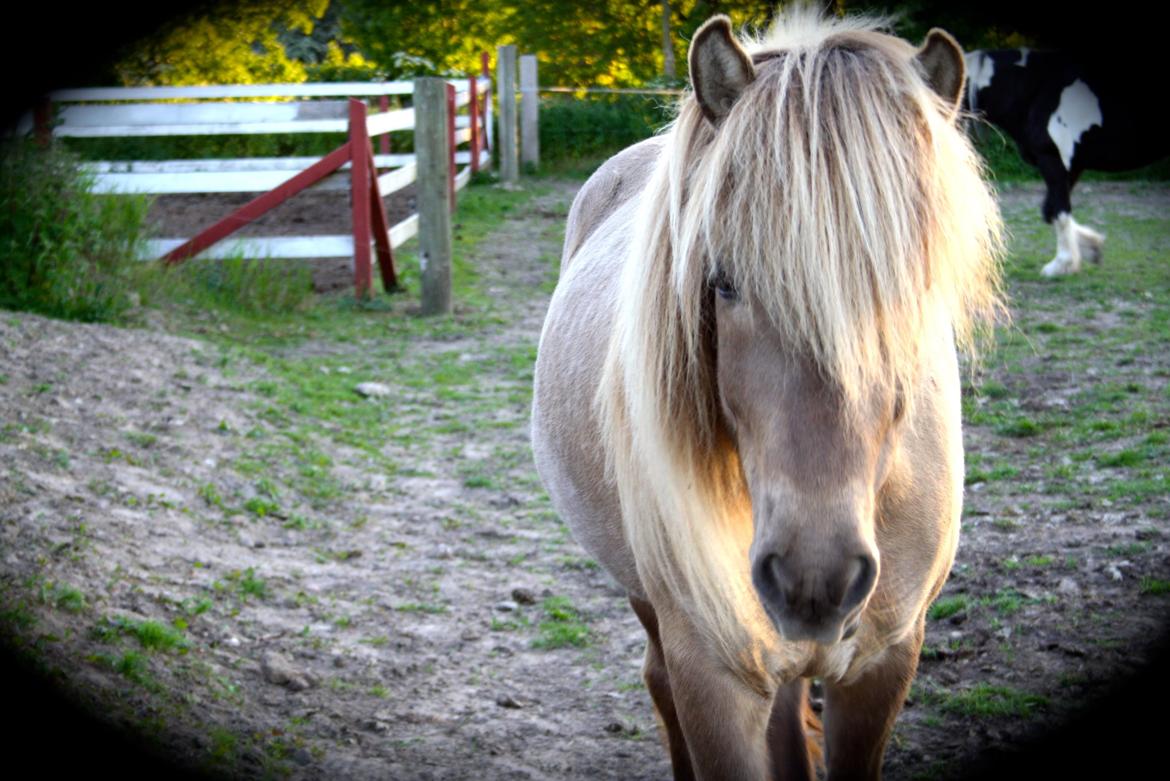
943	66
720	68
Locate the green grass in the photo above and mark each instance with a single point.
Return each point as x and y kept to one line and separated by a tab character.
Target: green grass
16	617
155	636
509	624
261	508
250	585
1123	458
989	701
432	608
1006	602
151	635
562	627
1128	549
70	599
994	474
133	666
1154	586
945	607
1071	376
248	288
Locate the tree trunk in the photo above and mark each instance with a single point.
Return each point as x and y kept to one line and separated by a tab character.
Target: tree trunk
667	44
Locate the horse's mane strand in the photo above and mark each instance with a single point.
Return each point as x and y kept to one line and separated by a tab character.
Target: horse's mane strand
840	197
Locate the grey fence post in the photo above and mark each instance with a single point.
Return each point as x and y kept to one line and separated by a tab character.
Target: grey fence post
506	69
529	112
433	157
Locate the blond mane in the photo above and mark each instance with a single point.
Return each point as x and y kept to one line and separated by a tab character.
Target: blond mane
839	196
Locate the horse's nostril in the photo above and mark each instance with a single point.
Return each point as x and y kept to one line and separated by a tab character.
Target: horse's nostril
860	578
773	582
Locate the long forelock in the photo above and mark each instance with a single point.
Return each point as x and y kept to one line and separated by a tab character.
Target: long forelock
837	196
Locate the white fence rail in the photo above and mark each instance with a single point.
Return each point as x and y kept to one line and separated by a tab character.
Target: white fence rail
83	116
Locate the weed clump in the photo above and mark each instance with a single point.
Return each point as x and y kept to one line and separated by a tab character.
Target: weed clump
64	251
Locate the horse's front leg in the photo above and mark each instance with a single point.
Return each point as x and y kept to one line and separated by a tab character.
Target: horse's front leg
788	739
657	679
724	720
859	717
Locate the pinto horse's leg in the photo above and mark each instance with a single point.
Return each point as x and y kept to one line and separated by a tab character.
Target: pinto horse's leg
1057	212
723	719
1068	249
1089	241
859	717
787	737
658	683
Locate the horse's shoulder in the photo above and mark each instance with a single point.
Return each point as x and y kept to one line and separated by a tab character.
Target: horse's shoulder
614	183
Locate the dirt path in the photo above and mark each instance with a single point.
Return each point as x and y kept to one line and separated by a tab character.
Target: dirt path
391	630
230	551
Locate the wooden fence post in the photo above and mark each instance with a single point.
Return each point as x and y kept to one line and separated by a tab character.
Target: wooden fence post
506	66
473	114
433	157
451	140
489	131
42	122
384	139
529	110
359	158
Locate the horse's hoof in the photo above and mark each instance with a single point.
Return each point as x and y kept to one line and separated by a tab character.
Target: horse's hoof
1090	243
1057	267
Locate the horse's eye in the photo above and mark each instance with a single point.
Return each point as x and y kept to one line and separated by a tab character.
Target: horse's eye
725	289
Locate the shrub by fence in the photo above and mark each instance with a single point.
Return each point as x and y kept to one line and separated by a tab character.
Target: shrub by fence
589	126
64	252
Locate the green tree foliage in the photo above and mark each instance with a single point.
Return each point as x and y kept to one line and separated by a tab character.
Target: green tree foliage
228	43
603	43
414	39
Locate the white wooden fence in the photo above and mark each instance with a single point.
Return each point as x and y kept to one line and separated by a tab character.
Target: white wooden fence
285	108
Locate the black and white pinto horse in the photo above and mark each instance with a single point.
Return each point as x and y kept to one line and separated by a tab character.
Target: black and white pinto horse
1067	117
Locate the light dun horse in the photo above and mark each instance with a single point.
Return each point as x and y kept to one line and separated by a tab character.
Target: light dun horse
747	392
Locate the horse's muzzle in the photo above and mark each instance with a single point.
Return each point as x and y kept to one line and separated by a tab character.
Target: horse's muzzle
817	602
